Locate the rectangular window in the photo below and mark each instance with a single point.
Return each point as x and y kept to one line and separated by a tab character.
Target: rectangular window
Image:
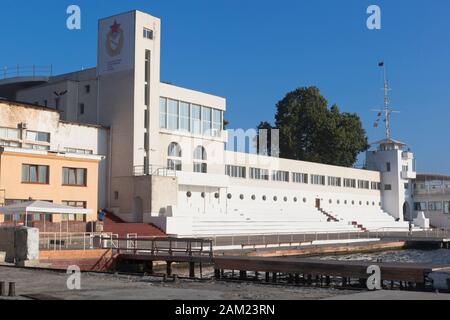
435	206
350	183
74	177
318	179
35	174
206	120
87	89
259	174
388	166
174	165
81	108
196	119
420	206
363	184
172	114
280	176
217	123
200	167
235	171
334	181
78	151
375	185
300	177
387	187
184	116
9	133
148	34
446	207
38	136
163	113
35	146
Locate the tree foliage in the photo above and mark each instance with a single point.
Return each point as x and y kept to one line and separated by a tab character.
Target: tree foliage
310	131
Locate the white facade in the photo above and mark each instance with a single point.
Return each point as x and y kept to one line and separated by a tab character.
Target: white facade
168	160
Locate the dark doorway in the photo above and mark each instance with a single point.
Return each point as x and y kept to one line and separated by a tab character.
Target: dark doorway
318	203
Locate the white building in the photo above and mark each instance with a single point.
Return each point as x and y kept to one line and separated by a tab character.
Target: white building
168	163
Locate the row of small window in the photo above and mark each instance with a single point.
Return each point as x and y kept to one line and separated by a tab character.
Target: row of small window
39	174
15	134
185	117
442	206
283	176
275	198
29	146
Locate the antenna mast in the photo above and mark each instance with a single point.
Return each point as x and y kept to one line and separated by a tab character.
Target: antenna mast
387	110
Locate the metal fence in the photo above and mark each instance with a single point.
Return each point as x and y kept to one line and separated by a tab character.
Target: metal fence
154	170
74	240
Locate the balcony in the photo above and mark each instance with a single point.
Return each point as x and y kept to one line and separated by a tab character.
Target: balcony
152	170
437	190
407	155
408	175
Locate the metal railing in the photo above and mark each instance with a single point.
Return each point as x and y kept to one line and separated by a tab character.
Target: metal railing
57	241
166	247
154	170
22	71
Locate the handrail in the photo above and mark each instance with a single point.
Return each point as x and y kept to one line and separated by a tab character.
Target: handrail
18	71
154	170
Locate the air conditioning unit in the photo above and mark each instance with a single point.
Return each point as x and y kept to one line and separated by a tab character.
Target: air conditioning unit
23	125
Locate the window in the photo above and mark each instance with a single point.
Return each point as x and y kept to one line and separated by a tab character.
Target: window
375	186
9	133
217	123
259	174
206	120
334	181
280	176
87	89
435	206
172	114
13	144
446	207
74	177
163	113
78	151
116	195
350	183
196	119
35	174
317	179
148	34
57	100
363	184
235	171
38	136
81	108
300	177
420	206
387	187
406	186
388	166
200	158
35	146
147	78
174	157
184	116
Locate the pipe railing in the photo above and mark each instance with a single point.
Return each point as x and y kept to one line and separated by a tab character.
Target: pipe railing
22	71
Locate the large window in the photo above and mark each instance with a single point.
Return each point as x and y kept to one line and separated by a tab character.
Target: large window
184	116
78	151
163	113
174	157
38	136
435	206
35	174
196	119
172	115
217	123
9	133
206	121
334	181
75	204
235	171
363	184
318	179
350	183
200	158
74	177
375	185
259	174
278	175
420	206
300	177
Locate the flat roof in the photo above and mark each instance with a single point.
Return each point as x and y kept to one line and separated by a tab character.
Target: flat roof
14	103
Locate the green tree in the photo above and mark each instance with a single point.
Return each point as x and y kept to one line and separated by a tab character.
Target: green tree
310	131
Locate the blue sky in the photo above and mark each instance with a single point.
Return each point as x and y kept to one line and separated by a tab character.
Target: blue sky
253	52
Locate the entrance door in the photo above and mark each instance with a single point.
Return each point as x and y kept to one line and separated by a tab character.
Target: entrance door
318	203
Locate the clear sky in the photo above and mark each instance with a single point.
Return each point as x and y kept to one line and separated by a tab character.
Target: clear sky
253	52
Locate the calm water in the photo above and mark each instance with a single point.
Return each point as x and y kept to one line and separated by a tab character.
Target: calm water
402	256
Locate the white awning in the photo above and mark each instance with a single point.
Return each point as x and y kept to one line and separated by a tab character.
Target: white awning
42	207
